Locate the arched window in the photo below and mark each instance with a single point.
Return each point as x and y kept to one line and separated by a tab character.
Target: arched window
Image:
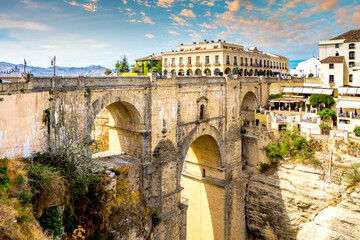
202	112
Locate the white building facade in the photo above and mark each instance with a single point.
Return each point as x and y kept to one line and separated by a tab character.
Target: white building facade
340	60
304	68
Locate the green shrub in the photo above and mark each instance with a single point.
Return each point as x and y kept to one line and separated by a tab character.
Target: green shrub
24	196
19	179
23	218
41	177
264	167
317	99
278	95
155	218
327	114
51	222
357	131
325	127
311	75
353	173
274	152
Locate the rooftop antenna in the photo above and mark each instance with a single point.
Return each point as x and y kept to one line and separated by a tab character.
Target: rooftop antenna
25	65
53	63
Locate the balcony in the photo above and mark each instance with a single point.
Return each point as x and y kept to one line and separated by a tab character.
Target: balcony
181	65
173	65
207	64
189	65
198	64
217	64
241	64
227	63
166	65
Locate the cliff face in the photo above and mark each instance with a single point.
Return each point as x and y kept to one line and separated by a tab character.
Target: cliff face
296	201
279	204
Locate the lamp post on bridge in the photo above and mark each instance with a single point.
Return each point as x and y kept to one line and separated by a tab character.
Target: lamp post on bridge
53	63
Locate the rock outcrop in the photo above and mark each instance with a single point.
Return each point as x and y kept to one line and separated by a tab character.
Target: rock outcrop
336	222
279	204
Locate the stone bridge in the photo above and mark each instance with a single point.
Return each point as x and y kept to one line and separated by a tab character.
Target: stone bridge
186	132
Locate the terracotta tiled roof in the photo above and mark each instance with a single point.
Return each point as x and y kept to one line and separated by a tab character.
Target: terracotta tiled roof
350	36
151	57
333	59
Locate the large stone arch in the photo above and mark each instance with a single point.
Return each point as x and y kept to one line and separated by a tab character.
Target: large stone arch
200	130
202	180
121	123
249	104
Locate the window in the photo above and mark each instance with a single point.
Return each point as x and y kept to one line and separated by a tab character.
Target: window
202	112
352	46
207	60
337	54
165	61
181	61
350	78
331	79
245	61
189	60
227	59
331	66
235	60
173	62
337	45
251	62
351	55
203	174
217	59
351	64
256	62
198	60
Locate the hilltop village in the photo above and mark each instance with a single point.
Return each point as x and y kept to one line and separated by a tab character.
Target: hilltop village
211	141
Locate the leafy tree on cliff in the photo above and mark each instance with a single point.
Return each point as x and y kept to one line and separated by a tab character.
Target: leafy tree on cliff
122	66
108	71
317	99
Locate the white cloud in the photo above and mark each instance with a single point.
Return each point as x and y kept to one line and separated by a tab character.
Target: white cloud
187	13
149	35
7	23
172	32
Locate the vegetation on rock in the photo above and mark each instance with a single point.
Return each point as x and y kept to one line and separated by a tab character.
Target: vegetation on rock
278	95
290	145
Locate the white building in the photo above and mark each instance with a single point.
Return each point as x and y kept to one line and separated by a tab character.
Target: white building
304	68
340	60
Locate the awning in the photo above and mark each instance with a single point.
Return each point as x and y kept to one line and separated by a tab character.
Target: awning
343	90
348	104
317	91
297	90
352	90
288	90
328	91
286	100
307	90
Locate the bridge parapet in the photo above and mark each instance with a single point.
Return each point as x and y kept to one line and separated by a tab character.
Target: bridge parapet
31	83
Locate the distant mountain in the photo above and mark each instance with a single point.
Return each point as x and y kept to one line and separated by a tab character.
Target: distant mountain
10	69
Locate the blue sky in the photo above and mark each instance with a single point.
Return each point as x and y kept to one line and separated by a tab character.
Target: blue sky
98	32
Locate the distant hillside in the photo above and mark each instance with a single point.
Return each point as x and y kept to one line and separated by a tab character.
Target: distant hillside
10	69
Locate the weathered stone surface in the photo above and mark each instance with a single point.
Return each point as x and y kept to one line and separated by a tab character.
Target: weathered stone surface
278	205
335	222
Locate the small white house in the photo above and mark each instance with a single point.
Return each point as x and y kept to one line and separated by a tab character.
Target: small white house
304	68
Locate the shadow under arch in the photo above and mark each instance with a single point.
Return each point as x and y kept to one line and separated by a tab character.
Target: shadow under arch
203	182
117	128
249	104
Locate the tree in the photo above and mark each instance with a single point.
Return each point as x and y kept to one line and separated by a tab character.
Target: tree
108	71
122	66
327	114
317	99
236	71
311	75
357	131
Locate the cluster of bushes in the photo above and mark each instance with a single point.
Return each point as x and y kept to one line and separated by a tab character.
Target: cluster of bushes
277	95
290	144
